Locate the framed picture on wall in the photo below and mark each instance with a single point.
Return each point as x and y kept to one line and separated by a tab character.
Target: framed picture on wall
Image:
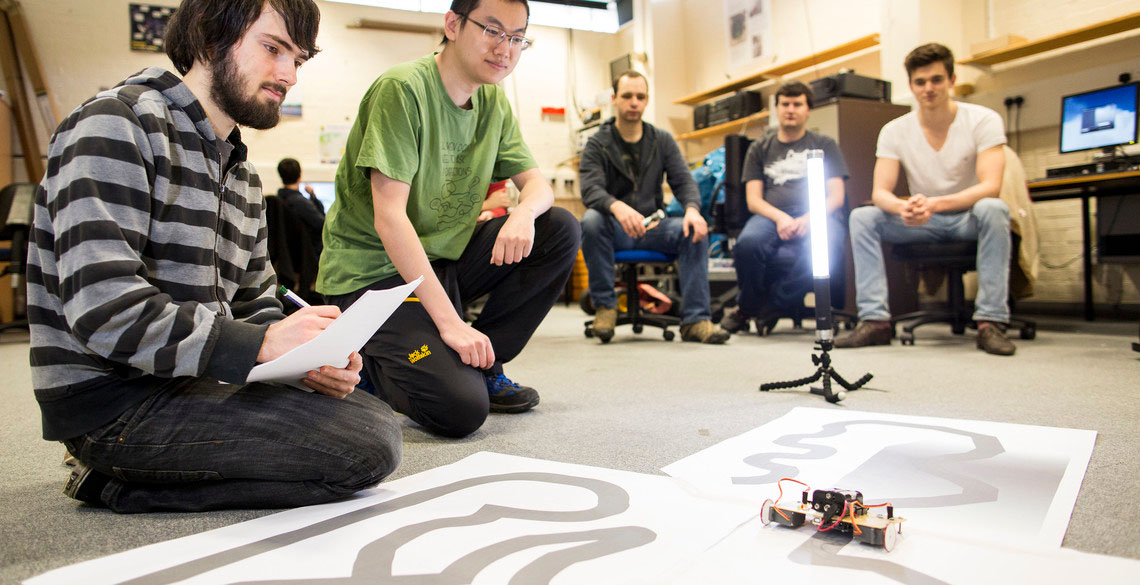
148	26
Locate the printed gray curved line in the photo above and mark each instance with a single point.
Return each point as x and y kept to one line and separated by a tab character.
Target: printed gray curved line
813	552
596	544
611	500
973	489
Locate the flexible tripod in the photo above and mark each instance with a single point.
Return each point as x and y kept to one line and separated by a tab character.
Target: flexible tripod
824	343
824	372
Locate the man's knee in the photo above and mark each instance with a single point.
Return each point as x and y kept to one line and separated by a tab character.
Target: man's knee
460	410
375	443
563	231
865	219
991	211
594	225
750	244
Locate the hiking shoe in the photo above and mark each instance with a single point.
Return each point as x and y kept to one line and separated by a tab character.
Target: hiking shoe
508	397
735	321
69	460
704	332
866	333
605	319
86	484
992	339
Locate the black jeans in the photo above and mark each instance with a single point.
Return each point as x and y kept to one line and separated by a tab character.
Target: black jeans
199	444
412	368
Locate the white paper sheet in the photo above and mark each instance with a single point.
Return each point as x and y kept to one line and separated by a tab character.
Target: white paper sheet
348	333
778	554
1009	483
488	518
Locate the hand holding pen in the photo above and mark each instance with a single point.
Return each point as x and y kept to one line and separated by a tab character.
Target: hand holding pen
300	327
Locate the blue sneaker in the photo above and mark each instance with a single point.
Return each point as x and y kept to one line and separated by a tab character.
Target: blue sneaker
508	397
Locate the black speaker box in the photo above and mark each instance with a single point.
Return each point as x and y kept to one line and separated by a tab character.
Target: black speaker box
701	116
744	103
850	85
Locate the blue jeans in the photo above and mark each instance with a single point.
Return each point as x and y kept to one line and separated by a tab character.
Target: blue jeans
758	244
602	236
987	222
199	444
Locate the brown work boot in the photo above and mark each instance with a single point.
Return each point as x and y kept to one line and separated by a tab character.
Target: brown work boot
867	333
704	332
992	339
605	318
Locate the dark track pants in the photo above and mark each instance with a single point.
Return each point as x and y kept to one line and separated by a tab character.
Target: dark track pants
411	367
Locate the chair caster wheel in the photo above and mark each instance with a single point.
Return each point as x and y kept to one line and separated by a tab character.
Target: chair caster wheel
668	335
1028	333
638	328
906	338
589	333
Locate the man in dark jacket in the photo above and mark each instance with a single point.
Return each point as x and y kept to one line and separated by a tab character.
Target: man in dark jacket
621	171
151	297
309	209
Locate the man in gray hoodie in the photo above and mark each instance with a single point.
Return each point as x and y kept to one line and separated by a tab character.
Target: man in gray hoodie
151	296
622	167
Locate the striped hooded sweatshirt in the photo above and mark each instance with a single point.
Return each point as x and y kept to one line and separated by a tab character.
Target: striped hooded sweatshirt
147	263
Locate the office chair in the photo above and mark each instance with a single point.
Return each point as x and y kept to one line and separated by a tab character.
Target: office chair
629	263
957	258
16	206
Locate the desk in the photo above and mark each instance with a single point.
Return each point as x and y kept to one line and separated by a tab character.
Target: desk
1086	187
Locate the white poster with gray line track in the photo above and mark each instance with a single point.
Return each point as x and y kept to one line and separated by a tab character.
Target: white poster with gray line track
488	518
996	482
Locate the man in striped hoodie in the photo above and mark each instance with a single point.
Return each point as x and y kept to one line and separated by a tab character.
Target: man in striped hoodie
151	296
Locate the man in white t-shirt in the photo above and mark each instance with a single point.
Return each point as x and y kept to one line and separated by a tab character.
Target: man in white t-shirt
952	155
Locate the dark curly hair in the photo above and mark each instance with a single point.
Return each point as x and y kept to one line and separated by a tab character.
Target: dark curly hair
206	30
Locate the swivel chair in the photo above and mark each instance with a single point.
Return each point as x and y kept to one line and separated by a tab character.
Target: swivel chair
956	258
16	206
629	263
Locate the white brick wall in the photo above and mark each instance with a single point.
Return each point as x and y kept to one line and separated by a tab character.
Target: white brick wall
1059	222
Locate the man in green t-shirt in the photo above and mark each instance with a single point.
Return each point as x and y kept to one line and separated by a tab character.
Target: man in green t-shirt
429	138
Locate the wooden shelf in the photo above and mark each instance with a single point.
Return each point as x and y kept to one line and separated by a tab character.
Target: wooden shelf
1093	31
726	128
835	52
366	23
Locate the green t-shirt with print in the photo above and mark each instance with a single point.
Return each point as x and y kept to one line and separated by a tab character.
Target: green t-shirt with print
410	130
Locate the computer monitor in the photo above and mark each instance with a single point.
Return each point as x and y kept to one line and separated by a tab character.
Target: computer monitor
1103	118
325	191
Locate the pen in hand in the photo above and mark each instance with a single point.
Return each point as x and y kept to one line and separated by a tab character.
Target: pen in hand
292	296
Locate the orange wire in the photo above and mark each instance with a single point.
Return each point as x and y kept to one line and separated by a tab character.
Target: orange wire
852	516
780	484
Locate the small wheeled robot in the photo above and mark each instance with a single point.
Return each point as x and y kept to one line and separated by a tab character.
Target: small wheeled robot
836	509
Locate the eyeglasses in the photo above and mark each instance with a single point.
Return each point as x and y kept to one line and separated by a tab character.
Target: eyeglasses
499	35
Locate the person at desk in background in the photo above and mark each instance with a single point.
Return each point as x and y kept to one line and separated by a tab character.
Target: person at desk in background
953	159
150	292
309	209
622	168
429	137
775	179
